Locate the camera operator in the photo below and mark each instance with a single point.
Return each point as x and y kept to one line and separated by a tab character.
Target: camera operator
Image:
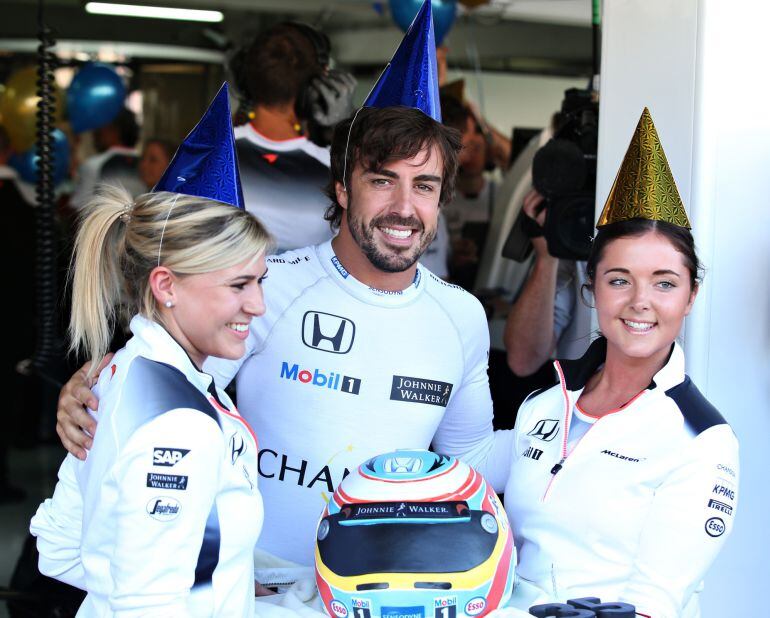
543	317
559	214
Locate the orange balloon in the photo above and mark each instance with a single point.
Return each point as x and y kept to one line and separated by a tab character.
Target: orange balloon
18	107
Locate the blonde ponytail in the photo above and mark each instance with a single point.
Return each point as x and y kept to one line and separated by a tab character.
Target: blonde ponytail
119	243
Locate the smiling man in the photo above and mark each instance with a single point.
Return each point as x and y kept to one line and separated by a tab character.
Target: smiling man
362	350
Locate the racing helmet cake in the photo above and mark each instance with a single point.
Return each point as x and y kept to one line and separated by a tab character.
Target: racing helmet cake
414	534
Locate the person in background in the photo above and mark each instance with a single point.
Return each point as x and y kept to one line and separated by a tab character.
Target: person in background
623	478
288	91
116	160
156	155
174	473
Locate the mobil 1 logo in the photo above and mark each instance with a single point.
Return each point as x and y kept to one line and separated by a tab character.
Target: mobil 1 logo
445	607
362	608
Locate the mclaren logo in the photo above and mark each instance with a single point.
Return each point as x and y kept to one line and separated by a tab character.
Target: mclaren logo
545	429
328	332
403	465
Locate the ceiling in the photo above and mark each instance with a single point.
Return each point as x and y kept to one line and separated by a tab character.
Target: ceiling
551	37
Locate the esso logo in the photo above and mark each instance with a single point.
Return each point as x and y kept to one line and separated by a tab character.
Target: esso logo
715	526
338	609
475	606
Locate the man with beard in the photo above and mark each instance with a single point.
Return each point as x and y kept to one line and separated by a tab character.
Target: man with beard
362	350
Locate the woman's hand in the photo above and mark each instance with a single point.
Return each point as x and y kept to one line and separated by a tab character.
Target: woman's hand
74	424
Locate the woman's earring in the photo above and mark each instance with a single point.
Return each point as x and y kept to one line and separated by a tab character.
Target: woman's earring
169	304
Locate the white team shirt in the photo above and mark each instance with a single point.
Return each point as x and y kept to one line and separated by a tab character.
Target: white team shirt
337	372
642	504
283	183
162	517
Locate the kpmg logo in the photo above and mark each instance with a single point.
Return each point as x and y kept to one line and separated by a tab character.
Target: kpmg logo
545	429
328	332
420	390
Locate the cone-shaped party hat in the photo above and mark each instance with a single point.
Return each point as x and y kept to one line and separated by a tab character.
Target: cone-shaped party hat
644	187
205	164
411	77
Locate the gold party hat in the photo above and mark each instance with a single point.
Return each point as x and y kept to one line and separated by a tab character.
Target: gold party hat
644	187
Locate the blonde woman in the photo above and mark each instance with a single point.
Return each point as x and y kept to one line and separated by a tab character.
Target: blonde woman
162	517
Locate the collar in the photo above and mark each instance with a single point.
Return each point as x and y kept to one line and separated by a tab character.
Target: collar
363	292
577	372
153	342
248	132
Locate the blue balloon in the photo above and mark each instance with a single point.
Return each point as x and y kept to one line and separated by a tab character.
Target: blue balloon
94	97
26	163
444	11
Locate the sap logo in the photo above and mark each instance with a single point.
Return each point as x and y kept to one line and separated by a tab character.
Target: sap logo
403	465
164	456
533	453
720	506
715	526
721	490
332	381
619	456
545	429
163	508
328	332
237	447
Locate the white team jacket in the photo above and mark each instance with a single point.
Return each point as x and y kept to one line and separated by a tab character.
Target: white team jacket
162	517
641	505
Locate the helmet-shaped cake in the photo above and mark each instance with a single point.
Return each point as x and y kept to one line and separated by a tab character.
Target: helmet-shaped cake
414	534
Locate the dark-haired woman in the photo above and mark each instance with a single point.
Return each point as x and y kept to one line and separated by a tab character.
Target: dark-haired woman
624	479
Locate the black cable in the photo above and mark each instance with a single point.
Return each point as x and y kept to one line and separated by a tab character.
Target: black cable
48	346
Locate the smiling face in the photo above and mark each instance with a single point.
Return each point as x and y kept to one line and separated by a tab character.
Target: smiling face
211	312
391	213
642	292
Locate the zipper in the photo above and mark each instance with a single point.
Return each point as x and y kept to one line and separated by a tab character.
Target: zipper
567	414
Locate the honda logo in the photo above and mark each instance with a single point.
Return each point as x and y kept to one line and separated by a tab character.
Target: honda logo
328	332
545	429
403	465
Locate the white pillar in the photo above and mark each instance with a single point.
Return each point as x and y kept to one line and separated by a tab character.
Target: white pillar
701	68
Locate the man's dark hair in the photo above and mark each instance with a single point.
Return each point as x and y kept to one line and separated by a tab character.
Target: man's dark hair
127	127
272	68
453	113
378	136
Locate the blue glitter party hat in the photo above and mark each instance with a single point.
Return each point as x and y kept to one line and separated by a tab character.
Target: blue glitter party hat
411	77
205	164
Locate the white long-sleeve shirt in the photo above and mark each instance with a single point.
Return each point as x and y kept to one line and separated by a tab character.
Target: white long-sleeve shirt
162	517
642	503
337	372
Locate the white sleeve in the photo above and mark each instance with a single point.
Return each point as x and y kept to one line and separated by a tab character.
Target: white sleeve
58	524
565	297
689	520
466	429
159	531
